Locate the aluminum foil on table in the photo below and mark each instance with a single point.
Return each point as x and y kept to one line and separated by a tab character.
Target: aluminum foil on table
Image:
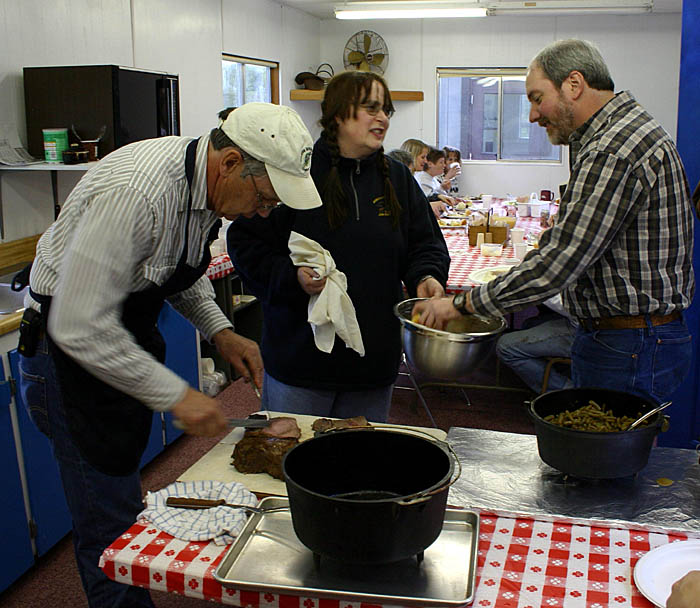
503	473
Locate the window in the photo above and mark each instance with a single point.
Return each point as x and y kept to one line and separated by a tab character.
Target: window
485	114
245	80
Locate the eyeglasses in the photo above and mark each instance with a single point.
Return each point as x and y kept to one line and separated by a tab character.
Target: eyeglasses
261	199
372	108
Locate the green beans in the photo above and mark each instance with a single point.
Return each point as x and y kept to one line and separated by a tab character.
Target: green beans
592	417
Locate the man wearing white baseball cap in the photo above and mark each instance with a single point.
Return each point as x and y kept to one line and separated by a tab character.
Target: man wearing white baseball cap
133	233
276	136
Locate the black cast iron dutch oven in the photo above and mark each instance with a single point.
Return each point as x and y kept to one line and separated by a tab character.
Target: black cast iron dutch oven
594	455
368	496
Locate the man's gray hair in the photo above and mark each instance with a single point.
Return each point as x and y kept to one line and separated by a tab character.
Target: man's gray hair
251	166
558	59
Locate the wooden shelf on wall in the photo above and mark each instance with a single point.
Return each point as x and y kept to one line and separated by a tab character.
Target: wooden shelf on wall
308	94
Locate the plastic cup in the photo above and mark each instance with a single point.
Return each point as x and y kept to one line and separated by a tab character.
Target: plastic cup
517	235
487	199
207	366
520	250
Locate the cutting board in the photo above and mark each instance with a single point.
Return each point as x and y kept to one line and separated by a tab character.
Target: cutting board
216	464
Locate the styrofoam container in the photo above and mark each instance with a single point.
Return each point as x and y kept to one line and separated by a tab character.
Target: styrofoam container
491	249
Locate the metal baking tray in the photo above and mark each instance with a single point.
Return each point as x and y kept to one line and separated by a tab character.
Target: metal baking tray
267	556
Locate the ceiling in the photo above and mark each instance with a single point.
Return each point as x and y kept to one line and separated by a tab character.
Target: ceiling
323	9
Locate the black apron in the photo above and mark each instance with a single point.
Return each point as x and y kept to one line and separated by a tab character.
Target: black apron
110	428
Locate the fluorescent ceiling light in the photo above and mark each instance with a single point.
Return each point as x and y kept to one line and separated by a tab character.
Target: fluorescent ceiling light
568	7
409	10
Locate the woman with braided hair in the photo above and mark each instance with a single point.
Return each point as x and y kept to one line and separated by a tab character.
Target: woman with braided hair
381	234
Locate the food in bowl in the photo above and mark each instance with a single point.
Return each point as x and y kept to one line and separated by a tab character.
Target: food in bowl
466	324
461	206
594	455
592	418
452	223
507	220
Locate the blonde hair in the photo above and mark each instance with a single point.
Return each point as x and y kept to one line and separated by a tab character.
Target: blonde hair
415	148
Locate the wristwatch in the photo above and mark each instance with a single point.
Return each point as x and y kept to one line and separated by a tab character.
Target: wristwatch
460	302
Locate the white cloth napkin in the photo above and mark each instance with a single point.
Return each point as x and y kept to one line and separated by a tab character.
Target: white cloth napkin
222	524
331	312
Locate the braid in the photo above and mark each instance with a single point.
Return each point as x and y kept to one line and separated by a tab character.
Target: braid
332	191
390	199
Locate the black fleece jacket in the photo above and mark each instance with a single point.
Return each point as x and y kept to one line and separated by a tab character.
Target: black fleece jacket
375	258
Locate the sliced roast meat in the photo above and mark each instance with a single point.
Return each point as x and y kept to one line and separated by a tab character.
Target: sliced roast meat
283	426
326	424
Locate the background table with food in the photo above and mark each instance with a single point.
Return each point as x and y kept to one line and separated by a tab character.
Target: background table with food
372	515
485	239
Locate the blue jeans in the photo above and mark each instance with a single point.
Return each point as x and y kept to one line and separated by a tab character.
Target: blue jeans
373	404
102	507
649	362
526	352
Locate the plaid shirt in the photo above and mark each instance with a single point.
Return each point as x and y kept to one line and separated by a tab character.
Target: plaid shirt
623	242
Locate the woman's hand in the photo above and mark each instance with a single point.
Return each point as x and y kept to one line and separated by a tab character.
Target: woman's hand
311	282
685	593
435	312
430	288
438	208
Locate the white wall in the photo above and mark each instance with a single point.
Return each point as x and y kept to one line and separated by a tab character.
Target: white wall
186	37
642	51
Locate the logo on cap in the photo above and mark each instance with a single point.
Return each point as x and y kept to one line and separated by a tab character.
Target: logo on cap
306	158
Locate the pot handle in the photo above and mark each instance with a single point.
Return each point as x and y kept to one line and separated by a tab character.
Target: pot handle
424	496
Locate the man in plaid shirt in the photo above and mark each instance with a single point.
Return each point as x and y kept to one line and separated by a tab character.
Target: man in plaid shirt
621	250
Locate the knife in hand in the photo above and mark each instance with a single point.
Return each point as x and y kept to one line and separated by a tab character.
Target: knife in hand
246	423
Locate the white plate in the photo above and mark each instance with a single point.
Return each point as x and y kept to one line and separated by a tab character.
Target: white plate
656	571
484	275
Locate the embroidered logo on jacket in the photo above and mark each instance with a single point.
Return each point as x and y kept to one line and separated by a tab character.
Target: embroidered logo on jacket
380	204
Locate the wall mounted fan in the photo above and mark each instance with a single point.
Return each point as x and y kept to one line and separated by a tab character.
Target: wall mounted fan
366	51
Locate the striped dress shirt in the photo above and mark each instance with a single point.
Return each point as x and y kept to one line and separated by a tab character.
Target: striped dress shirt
623	241
122	230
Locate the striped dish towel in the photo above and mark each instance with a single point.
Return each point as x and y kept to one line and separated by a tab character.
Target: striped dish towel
222	524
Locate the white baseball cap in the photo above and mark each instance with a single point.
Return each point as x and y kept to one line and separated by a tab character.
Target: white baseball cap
277	136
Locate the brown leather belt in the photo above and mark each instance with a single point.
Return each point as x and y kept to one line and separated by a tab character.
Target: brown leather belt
624	322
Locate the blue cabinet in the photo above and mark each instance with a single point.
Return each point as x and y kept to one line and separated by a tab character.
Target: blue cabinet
47	502
14	529
181	355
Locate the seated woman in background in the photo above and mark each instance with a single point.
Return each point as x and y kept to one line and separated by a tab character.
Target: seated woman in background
429	179
376	225
438	206
418	151
452	156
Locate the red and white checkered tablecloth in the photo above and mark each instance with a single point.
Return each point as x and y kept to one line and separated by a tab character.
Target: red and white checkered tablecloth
466	259
220	266
522	563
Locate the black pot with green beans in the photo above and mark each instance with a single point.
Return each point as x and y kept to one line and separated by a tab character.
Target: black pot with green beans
582	432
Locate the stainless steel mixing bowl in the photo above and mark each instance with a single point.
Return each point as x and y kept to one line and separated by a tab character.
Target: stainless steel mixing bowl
447	355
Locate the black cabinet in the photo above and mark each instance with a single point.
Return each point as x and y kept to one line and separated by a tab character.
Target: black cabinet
245	312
